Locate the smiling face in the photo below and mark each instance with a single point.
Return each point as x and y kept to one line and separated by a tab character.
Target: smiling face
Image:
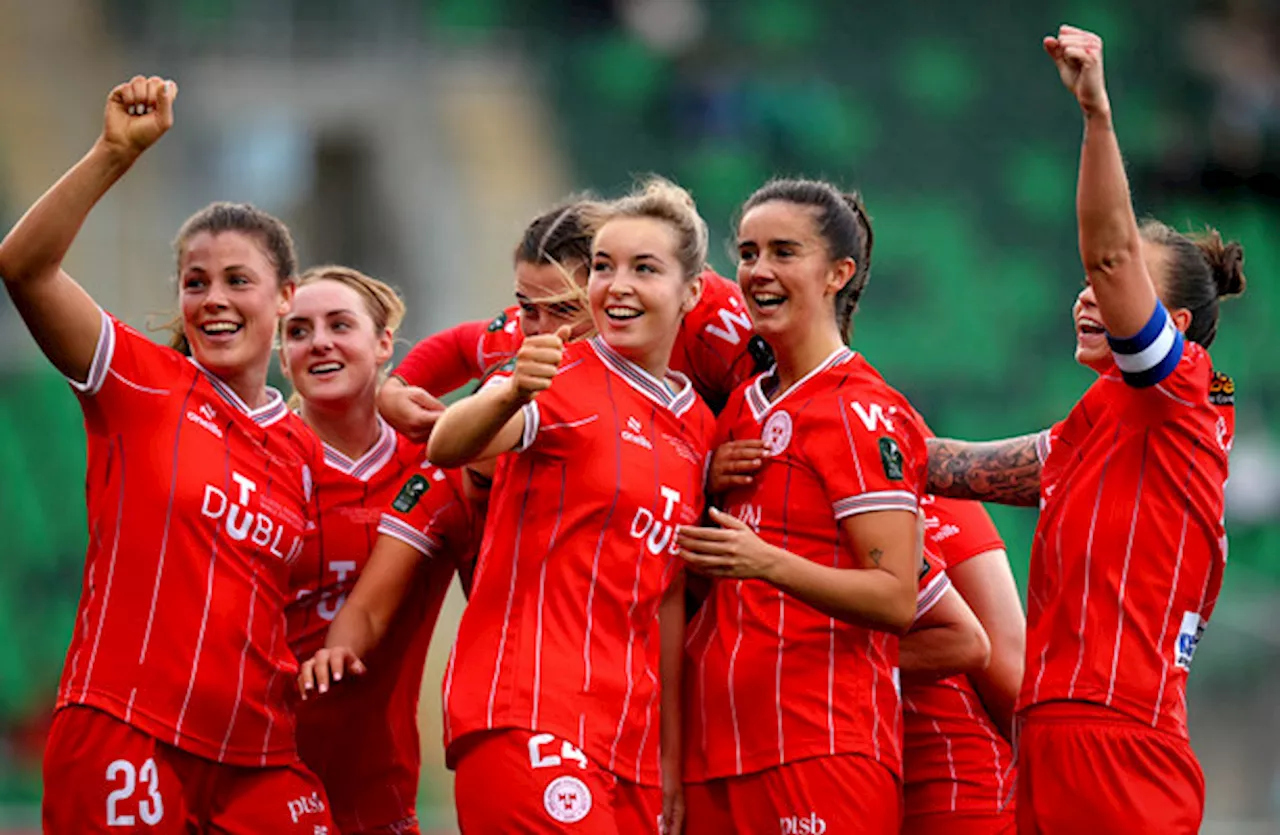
786	271
535	284
332	351
638	291
231	300
1092	349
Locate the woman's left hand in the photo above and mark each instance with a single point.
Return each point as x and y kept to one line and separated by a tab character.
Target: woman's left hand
672	808
732	550
1078	56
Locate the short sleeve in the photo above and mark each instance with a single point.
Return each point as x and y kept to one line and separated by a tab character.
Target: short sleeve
1186	386
557	416
869	454
419	514
129	374
933	584
958	530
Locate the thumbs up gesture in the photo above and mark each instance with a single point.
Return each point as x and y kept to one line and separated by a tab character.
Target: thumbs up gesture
537	363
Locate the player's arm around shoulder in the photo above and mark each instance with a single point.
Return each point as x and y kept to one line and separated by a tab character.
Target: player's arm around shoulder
501	416
1005	471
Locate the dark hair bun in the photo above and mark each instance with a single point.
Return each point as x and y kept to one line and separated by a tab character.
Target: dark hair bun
1226	260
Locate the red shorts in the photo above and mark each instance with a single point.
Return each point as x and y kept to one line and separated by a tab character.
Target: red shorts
1086	768
960	823
408	826
103	775
522	781
844	793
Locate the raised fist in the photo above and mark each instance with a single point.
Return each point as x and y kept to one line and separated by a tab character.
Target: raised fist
1078	56
138	113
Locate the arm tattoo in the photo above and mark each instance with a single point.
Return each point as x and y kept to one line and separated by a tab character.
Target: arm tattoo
876	556
1005	472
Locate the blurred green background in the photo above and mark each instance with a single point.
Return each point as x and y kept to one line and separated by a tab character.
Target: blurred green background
413	139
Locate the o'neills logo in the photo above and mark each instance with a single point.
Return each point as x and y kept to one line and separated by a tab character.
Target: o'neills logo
204	418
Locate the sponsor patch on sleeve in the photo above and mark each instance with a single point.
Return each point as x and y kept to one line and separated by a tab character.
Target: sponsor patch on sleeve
1188	639
891	458
1222	390
410	493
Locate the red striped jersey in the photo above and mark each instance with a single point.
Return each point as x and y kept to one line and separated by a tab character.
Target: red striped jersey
1130	548
433	514
955	759
370	767
717	348
561	631
770	680
449	359
197	509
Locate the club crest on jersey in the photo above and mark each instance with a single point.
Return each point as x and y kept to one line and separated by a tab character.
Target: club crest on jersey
497	323
1222	390
567	799
1188	639
777	433
410	493
891	459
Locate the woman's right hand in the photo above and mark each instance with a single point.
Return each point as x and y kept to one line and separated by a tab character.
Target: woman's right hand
138	113
734	464
537	363
411	411
327	665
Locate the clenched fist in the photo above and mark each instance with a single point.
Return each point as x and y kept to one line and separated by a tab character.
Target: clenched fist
1078	56
138	113
537	363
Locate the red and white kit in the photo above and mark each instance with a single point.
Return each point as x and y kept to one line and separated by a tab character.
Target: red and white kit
1125	570
770	680
958	770
716	349
561	633
197	509
361	739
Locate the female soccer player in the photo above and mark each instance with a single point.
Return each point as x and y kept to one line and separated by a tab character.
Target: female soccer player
957	764
363	741
958	771
564	682
172	711
794	681
1130	547
552	261
716	348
